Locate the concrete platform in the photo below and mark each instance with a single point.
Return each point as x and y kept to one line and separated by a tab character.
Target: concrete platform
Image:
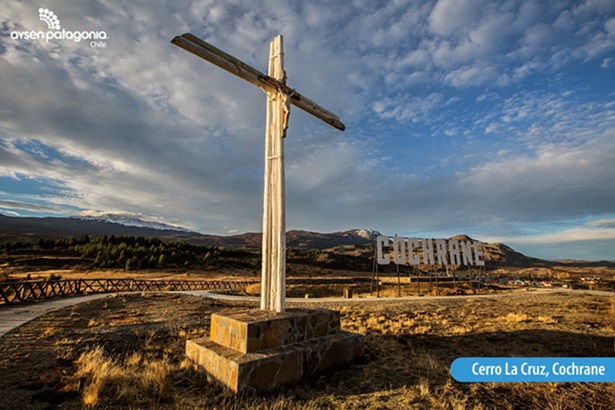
256	351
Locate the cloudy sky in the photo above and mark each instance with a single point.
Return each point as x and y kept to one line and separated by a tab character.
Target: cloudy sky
490	118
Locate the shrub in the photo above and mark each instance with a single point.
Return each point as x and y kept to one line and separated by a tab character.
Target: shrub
53	277
135	380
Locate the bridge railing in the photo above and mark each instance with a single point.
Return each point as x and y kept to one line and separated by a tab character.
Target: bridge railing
23	291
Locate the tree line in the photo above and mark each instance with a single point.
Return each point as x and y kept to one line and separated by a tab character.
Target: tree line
130	252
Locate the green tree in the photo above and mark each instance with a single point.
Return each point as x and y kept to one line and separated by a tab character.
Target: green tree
162	260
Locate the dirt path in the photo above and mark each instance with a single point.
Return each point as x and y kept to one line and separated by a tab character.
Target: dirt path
12	317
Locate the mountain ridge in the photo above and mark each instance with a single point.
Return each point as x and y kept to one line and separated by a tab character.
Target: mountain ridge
13	229
130	220
33	228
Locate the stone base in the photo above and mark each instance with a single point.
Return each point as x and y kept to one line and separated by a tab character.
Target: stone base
257	350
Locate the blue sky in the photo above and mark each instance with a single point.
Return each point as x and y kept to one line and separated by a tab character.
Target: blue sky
494	119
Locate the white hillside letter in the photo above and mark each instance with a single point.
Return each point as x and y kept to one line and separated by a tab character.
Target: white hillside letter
441	250
414	257
466	249
428	256
399	250
382	241
453	250
479	255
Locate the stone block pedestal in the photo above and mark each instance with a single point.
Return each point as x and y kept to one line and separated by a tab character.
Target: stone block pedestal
258	350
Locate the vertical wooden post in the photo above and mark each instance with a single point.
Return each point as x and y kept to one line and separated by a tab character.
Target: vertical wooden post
371	286
279	99
273	287
398	282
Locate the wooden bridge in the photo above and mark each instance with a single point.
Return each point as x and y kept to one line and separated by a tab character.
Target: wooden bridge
23	291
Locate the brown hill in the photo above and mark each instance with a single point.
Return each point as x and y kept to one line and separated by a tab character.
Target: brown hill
500	255
356	243
13	229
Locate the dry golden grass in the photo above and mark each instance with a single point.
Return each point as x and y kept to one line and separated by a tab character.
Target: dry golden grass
387	288
152	274
122	363
137	381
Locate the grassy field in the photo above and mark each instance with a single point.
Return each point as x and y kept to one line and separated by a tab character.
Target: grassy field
127	352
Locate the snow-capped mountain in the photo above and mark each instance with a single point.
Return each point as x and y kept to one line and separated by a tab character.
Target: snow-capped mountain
369	234
131	220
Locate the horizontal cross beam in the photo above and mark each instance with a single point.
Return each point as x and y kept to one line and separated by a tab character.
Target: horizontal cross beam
242	70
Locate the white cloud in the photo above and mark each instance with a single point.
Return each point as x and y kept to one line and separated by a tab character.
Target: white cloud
602	223
471	76
443	131
551	185
9	206
408	108
455	16
558	237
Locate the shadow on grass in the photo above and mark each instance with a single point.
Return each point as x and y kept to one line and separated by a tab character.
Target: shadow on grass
38	356
395	361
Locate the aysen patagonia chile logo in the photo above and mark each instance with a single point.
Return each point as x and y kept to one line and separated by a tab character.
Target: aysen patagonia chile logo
96	38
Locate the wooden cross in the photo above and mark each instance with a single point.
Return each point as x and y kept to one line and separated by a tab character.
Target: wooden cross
279	99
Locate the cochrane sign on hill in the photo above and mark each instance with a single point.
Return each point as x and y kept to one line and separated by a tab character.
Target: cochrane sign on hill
415	251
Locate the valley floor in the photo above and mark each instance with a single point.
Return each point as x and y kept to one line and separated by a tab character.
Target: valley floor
127	351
